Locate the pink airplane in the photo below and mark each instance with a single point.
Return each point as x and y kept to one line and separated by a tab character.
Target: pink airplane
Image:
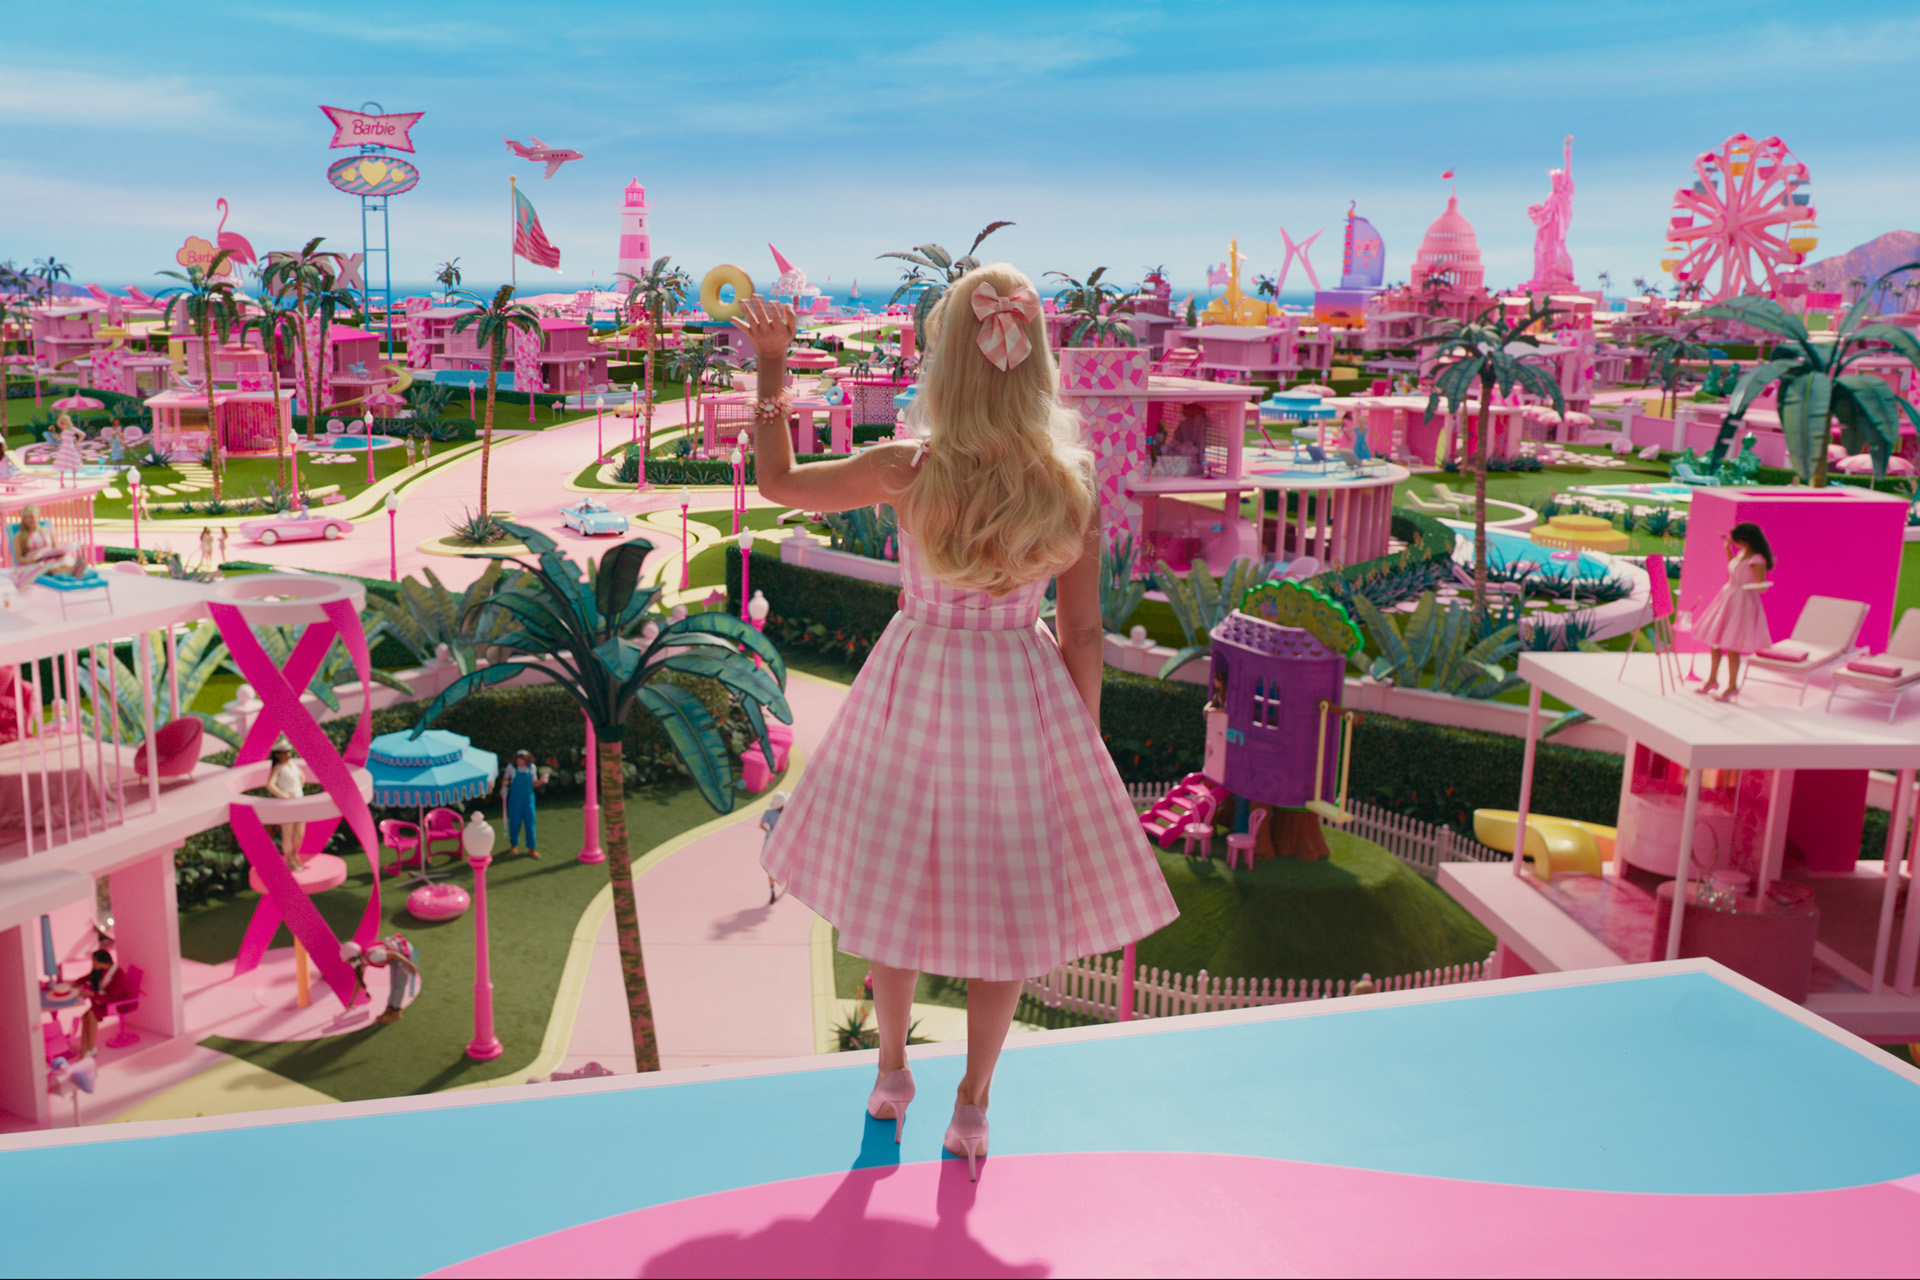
538	151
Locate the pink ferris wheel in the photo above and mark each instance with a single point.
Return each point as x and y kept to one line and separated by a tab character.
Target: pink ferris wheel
1748	214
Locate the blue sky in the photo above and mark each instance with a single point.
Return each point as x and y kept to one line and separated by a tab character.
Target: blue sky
1124	133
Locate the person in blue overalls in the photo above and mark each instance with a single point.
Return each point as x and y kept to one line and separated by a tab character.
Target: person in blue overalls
517	782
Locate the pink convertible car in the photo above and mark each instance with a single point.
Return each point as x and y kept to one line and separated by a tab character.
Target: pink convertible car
293	527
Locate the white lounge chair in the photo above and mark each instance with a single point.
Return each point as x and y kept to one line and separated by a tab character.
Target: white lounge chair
1824	635
1890	675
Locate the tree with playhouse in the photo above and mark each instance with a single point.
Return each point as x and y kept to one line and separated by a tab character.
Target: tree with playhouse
492	322
599	636
1815	386
661	290
1483	353
211	304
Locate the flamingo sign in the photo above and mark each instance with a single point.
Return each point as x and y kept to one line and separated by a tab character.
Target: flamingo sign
197	251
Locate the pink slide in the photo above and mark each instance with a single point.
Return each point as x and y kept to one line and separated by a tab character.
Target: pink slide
1177	808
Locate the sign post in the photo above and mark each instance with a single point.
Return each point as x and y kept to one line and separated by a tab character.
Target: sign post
373	175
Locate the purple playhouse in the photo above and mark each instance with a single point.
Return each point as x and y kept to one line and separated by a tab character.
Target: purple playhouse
1279	669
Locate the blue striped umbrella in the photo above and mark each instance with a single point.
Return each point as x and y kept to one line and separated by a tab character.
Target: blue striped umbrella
437	768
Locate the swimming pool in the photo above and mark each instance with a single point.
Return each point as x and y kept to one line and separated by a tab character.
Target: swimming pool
349	443
1506	550
1669	493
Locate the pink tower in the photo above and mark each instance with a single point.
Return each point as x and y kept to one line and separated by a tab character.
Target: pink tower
636	246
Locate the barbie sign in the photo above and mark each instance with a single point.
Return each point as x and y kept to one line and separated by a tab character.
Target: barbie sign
358	129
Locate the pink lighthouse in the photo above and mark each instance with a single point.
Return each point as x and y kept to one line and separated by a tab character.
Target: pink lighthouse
636	246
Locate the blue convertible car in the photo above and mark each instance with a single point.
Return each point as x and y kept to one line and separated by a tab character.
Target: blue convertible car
590	517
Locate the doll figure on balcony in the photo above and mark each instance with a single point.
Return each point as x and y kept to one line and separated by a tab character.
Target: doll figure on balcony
1733	622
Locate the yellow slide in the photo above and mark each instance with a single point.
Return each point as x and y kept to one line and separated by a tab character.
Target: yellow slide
1554	844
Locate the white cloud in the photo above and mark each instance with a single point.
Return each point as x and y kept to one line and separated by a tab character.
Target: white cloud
40	95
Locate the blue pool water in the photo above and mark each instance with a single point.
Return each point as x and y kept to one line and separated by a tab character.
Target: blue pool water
350	444
1638	493
1506	549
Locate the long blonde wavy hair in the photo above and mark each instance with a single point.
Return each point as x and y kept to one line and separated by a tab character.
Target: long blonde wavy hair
1004	494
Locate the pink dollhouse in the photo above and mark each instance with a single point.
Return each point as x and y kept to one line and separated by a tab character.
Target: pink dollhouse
1760	801
82	815
1172	466
63	333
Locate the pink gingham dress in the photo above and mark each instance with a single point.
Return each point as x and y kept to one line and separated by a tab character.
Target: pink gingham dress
962	816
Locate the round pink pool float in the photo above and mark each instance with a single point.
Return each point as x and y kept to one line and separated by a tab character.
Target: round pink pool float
436	902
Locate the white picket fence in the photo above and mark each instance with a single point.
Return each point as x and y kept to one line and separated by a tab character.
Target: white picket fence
1091	988
1421	845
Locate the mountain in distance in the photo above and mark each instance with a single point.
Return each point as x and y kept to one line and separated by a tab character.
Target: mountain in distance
1867	261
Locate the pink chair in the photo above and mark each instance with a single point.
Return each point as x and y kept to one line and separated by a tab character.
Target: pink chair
1240	843
123	997
442	834
1200	829
177	744
55	1040
404	839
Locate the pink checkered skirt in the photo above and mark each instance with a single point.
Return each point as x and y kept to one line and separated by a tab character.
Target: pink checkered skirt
962	816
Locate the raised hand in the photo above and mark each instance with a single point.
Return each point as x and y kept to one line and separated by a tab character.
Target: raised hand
769	325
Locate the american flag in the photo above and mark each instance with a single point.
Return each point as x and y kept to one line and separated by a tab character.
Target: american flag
529	240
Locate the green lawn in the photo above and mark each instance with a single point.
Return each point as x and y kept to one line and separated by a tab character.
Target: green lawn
1360	911
533	907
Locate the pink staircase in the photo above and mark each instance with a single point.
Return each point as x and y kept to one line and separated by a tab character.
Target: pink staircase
1180	806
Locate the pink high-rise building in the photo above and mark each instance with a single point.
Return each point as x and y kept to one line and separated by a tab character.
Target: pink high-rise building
636	246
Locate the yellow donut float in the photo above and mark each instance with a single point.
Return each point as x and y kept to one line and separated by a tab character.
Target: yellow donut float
711	284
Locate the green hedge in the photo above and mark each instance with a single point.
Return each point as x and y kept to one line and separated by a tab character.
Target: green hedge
1440	774
1155	730
816	612
676	471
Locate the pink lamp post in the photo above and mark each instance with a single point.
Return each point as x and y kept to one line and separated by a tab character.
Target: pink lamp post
686	552
590	850
369	422
476	841
744	539
599	417
739	461
393	536
133	500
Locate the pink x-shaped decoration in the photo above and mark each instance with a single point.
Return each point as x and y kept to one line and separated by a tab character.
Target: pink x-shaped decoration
279	691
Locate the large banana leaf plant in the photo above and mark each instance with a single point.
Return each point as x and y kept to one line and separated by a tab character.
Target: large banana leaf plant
427	615
1441	638
599	636
1490	351
1200	603
200	654
1816	388
930	270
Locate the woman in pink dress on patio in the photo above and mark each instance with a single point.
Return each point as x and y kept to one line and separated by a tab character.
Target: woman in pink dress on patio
962	816
1733	622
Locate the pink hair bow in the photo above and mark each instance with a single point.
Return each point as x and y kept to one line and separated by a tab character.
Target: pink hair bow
1003	323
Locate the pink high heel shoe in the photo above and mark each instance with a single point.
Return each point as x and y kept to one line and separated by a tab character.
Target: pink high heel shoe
890	1097
967	1136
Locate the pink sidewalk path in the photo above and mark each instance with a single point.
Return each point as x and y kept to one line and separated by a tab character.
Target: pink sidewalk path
529	476
731	977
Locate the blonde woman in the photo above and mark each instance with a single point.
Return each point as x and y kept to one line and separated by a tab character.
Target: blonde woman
962	816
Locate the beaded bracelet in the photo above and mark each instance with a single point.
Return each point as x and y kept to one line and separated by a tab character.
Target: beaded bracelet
768	411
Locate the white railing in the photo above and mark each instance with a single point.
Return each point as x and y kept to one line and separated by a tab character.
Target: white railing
1147	794
1421	845
1091	988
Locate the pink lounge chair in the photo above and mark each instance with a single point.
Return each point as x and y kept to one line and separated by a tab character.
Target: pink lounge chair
1826	633
404	839
1240	843
178	748
1200	829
